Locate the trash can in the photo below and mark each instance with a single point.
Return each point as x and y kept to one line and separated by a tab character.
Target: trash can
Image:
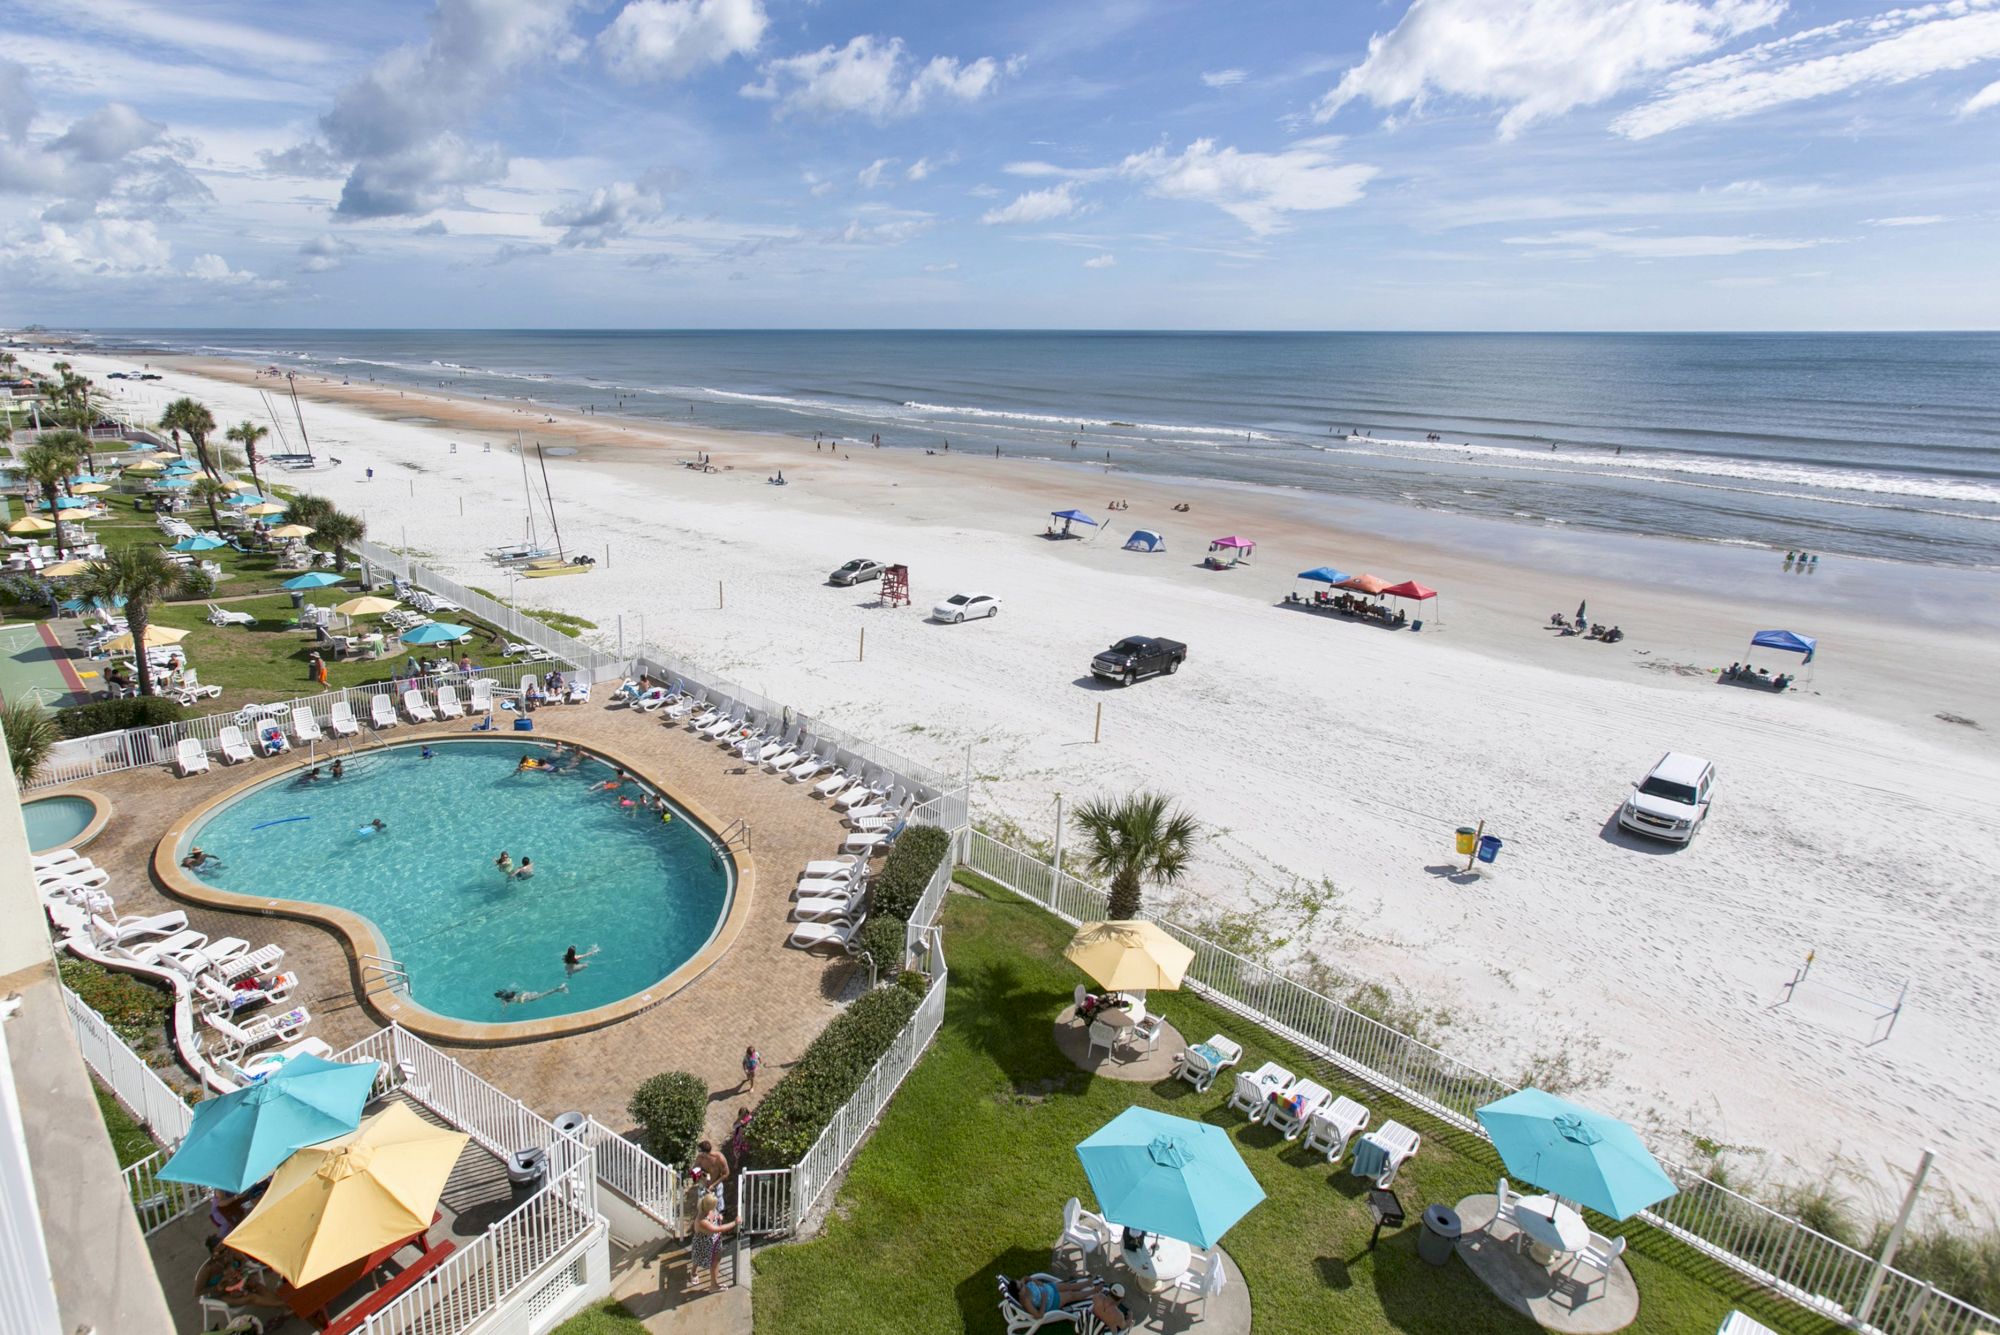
1489	848
524	725
571	1124
527	1170
1440	1236
1468	839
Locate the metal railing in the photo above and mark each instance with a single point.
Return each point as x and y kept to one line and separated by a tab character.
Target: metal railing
1820	1273
157	1105
924	913
156	1201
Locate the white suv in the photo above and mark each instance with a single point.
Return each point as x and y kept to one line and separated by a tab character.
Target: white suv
1672	800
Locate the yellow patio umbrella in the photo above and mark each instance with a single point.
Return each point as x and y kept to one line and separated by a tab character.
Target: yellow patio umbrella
265	508
239	484
341	1199
366	606
31	524
64	569
146	466
291	531
156	637
89	489
69	516
1129	956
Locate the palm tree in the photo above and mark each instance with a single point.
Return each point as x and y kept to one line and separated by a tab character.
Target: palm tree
339	530
141	576
49	462
309	509
1136	839
210	491
30	733
195	419
247	434
170	421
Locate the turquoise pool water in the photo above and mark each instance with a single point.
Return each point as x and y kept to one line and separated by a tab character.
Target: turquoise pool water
55	822
649	895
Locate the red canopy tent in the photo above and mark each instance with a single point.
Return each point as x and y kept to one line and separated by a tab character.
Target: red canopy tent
1410	589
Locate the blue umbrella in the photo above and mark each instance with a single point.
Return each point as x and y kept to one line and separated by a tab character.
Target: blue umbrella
199	543
82	478
175	482
1167	1175
240	1138
180	466
436	632
1325	574
1584	1156
312	579
246	498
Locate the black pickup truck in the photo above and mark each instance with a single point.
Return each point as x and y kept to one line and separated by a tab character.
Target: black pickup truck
1138	656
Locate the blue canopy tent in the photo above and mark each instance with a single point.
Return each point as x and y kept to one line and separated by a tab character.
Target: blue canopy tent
1318	575
1786	640
1145	540
1068	517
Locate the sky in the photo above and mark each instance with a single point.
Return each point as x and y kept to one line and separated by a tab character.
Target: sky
1441	164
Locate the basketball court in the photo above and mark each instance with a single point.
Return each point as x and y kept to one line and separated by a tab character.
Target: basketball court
34	663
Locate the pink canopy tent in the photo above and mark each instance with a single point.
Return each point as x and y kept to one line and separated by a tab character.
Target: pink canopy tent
1410	589
1237	549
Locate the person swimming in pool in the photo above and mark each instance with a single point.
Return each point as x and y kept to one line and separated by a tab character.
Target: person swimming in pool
310	776
374	826
339	768
505	864
619	780
531	762
574	959
525	870
513	996
426	754
197	859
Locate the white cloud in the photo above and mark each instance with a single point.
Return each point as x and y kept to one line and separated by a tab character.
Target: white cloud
99	248
1058	201
609	213
871	176
233	43
1537	58
1894	47
671	39
925	167
1256	189
17	104
215	269
870	77
324	253
1649	246
109	133
1224	78
1984	100
1035	169
1910	220
888	232
1100	261
949	266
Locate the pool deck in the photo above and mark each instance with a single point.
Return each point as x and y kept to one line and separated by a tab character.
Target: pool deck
759	992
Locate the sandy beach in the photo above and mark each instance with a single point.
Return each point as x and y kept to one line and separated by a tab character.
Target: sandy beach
1851	818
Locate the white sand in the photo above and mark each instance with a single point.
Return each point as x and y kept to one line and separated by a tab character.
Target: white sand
1849	820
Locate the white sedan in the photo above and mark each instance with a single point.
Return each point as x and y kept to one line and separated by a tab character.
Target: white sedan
961	606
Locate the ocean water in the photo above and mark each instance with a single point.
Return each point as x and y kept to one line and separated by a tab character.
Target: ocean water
649	894
1878	445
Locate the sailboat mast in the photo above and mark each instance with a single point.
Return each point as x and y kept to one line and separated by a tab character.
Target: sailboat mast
291	379
549	496
527	488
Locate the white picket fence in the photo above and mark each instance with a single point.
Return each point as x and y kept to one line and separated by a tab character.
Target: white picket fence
157	1105
1817	1272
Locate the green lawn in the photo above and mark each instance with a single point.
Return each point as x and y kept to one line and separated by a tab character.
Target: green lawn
966	1177
129	1140
607	1318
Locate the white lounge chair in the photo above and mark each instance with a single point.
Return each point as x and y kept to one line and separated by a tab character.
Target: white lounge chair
823	908
230	741
724	726
864	794
782	763
576	693
1290	1114
418	708
78	895
271	738
305	728
448	705
341	719
870	840
154	953
819	867
251	1071
381	711
189	758
1332	1126
833	783
220	998
1398	1144
136	927
681	708
648	700
835	883
222	616
1199	1069
811	935
1250	1096
195	961
481	695
263	960
260	1032
81	872
189	692
56	857
704	716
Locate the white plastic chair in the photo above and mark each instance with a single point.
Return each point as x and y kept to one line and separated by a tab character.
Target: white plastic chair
381	711
1334	1125
1192	1067
1202	1280
1399	1143
219	1315
1106	1036
1599	1254
1507	1212
1081	1229
341	719
1250	1097
305	728
189	758
448	705
1290	1114
234	748
811	935
819	908
418	708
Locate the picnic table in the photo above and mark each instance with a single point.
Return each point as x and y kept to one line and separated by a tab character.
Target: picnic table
1159	1262
309	1302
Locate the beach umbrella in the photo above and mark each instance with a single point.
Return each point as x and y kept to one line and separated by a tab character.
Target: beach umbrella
71	516
312	579
157	637
436	632
341	1200
1584	1156
89	489
1168	1175
199	543
31	524
1128	956
238	1139
175	483
64	569
368	606
239	484
85	478
264	509
146	466
291	531
246	498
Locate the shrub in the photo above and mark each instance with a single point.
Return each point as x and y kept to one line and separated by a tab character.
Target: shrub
801	1104
882	939
193	582
136	1011
140	711
906	872
911	981
670	1110
30	732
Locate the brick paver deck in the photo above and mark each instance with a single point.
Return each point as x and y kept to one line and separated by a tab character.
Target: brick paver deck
760	992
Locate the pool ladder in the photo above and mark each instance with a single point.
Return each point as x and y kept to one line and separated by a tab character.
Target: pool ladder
736	833
380	968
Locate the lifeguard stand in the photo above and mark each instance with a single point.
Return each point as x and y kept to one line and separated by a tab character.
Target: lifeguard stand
896	587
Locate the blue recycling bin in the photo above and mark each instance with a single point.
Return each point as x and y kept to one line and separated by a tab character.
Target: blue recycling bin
528	725
1489	847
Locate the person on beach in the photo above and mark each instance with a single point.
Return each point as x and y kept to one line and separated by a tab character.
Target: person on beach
573	959
752	1059
514	996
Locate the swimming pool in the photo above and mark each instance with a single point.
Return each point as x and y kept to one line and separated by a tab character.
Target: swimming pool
649	895
57	822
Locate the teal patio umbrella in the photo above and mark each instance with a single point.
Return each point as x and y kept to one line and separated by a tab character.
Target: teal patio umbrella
199	543
312	579
246	498
240	1138
1158	1174
436	632
1587	1157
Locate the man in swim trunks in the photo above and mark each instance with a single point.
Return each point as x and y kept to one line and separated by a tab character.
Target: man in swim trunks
525	870
197	859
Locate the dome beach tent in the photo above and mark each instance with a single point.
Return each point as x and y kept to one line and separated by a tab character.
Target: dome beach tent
1145	540
1068	517
1414	591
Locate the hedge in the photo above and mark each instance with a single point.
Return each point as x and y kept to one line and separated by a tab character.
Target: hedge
825	1076
136	1011
907	871
139	711
670	1110
883	939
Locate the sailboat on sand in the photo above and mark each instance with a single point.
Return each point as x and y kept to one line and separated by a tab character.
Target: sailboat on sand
545	567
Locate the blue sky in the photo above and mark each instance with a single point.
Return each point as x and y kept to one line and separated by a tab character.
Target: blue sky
1565	164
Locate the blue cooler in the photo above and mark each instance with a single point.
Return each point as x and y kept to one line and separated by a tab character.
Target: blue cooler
528	725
